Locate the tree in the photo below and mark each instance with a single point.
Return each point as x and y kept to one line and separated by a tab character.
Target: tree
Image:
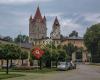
74	33
47	58
2	55
24	55
55	56
92	41
10	52
7	52
70	48
62	55
8	38
22	39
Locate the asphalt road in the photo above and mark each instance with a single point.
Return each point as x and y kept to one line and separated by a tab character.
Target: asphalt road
83	72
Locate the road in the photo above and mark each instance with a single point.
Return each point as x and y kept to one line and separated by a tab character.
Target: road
83	72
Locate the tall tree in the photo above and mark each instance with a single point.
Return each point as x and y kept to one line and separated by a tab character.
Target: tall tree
24	55
22	39
8	38
92	41
74	33
62	55
10	52
70	48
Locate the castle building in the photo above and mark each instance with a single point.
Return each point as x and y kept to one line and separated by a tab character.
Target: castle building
38	30
38	34
37	27
55	34
38	37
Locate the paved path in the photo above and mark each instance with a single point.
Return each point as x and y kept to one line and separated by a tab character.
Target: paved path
83	72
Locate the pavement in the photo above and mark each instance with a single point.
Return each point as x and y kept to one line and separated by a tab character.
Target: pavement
83	72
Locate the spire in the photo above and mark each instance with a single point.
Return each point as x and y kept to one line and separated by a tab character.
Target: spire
44	18
38	14
56	22
31	17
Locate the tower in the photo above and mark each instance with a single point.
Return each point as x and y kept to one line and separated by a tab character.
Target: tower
37	26
55	34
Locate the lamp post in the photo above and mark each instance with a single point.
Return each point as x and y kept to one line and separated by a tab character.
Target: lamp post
51	54
20	48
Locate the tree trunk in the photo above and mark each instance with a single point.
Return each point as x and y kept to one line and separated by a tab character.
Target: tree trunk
40	64
2	62
11	62
7	68
22	61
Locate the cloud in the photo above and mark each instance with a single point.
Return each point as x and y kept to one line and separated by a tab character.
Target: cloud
68	25
21	1
58	14
92	17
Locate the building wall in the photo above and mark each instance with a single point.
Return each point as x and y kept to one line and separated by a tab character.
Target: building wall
76	42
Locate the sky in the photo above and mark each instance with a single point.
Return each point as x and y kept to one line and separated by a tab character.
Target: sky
72	14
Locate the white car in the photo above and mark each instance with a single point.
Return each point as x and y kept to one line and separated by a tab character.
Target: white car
63	66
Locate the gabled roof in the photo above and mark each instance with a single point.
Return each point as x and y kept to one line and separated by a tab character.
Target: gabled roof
38	14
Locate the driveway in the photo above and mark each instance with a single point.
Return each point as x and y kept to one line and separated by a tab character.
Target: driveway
83	72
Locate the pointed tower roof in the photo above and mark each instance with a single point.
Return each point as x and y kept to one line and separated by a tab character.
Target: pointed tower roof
38	14
44	18
56	22
31	17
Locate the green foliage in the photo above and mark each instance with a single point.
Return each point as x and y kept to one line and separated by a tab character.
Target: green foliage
70	48
74	33
22	39
62	55
55	55
24	55
8	38
47	58
11	51
59	47
92	40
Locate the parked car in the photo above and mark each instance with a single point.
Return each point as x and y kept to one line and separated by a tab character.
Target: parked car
72	65
63	66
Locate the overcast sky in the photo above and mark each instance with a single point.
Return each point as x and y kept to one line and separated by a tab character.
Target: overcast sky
72	14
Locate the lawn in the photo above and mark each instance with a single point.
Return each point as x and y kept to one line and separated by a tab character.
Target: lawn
18	73
5	76
44	70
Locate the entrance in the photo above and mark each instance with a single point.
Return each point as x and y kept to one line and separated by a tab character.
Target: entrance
79	56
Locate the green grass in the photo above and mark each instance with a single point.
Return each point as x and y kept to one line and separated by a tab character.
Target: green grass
5	76
44	70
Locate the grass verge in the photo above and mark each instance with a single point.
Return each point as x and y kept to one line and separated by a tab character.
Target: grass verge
5	76
44	70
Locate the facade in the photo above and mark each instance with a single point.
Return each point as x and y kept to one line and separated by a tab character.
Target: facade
38	34
37	27
55	34
38	30
76	41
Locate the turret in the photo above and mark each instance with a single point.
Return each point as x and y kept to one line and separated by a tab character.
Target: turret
55	34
